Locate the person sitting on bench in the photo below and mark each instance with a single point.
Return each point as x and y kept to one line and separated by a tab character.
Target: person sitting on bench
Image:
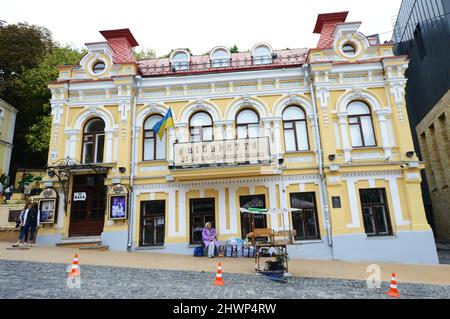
209	238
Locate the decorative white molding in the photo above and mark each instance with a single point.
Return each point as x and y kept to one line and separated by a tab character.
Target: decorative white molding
236	106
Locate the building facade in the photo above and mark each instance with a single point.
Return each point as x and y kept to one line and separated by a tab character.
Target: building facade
322	130
422	32
7	124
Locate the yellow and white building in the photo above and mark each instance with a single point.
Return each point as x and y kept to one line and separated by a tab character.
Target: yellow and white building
7	125
324	130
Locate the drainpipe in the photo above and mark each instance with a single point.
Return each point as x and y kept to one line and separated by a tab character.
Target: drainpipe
133	166
319	151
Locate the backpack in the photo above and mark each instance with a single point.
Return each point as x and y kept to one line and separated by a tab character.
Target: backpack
198	252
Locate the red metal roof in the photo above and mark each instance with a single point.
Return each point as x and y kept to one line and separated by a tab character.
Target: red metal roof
122	42
325	25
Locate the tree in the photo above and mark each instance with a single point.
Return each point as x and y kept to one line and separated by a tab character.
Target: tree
33	83
234	49
22	46
28	61
145	54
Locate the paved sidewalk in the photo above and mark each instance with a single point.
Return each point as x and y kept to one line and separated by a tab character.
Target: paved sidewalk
47	281
426	274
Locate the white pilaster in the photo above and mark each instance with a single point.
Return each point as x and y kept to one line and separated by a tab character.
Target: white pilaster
222	213
182	212
273	205
171	133
234	212
352	197
277	136
171	222
344	136
396	202
108	147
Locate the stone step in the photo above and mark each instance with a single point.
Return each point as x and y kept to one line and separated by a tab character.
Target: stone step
94	247
77	242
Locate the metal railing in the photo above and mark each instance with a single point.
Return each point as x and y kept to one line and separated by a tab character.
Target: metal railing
166	69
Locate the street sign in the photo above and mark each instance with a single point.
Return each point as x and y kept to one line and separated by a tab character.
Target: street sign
79	197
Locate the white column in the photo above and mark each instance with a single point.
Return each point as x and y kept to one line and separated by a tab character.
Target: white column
181	132
273	205
61	212
108	147
222	213
384	135
229	130
344	136
182	212
396	202
171	221
234	211
277	136
72	146
116	148
268	133
219	132
283	204
171	133
352	197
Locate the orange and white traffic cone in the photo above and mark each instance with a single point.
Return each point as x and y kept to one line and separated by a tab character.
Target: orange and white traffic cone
393	291
219	280
75	272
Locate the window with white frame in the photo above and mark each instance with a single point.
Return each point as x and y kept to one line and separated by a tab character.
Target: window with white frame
220	58
180	61
201	127
295	129
154	147
247	124
361	125
93	141
262	54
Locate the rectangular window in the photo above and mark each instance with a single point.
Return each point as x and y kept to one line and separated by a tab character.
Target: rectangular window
201	211
259	220
305	223
152	223
375	212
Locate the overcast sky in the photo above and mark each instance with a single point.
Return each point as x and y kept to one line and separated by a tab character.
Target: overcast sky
198	24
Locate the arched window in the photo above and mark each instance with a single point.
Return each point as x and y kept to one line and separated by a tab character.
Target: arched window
262	54
154	147
201	127
220	58
247	124
295	130
361	126
180	60
93	141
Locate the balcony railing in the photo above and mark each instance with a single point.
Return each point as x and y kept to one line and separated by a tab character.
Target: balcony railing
234	152
166	69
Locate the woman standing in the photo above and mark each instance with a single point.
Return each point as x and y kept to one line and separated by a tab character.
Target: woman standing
209	237
30	222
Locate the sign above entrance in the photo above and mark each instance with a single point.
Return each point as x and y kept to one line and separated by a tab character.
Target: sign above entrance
79	197
217	153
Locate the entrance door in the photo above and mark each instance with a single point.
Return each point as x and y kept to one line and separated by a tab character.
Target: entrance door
152	223
254	201
87	214
202	211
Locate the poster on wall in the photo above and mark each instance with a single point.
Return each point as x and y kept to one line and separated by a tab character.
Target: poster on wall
47	209
118	207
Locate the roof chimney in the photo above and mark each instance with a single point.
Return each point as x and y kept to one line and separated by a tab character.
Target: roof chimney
122	42
325	25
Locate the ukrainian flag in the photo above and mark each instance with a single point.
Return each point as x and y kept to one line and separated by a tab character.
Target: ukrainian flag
164	124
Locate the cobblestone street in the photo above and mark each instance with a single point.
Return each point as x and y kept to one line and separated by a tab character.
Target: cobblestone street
20	279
